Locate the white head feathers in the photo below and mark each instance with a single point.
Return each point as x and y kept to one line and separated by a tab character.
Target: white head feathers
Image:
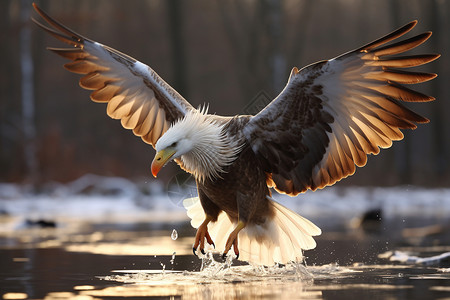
201	144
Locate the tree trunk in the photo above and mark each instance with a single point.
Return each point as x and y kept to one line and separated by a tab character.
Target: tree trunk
175	19
402	150
438	143
27	94
273	15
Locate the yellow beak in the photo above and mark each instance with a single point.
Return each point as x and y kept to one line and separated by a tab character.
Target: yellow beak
161	158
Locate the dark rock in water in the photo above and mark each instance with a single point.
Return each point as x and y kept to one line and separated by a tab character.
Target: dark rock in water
370	221
40	223
373	215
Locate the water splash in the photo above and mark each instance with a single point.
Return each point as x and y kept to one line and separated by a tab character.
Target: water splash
174	235
211	268
173	258
213	271
221	280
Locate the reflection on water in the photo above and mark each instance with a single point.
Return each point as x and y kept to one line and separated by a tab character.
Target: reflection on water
262	289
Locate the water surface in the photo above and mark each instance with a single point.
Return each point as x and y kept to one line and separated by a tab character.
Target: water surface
142	260
71	245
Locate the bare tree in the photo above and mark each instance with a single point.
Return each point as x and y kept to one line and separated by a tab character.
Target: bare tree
27	93
175	22
439	145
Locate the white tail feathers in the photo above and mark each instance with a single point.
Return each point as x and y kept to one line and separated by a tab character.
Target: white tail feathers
279	240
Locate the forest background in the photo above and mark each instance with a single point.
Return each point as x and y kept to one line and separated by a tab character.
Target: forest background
233	55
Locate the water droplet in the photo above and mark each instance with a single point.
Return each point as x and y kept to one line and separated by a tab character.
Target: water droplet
174	235
173	258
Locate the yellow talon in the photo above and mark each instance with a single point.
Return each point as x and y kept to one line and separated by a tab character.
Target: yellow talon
202	233
233	239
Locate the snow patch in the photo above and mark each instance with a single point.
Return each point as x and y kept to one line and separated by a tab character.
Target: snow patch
90	198
97	198
407	258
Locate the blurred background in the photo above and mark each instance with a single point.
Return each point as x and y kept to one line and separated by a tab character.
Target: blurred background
225	53
76	186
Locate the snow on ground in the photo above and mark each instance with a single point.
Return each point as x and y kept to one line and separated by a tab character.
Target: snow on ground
348	202
408	258
90	198
98	199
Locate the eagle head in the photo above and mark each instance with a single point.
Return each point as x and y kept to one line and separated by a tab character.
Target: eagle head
173	144
200	144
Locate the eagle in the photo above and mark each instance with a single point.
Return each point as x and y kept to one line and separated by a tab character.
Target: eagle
328	118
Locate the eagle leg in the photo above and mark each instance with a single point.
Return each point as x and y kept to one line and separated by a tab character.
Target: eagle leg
202	233
233	240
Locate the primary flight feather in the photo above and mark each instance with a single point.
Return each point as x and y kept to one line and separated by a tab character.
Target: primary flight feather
324	123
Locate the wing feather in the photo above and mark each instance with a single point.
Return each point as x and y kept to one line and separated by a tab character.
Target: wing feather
105	94
135	94
402	62
387	38
69	53
158	127
83	67
400	76
336	112
131	121
95	81
402	46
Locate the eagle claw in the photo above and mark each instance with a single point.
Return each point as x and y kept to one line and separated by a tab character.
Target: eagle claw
202	234
233	240
194	250
224	256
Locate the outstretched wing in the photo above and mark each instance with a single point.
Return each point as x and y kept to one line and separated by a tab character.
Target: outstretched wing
135	94
333	113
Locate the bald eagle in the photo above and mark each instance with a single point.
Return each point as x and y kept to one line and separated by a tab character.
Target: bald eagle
323	124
